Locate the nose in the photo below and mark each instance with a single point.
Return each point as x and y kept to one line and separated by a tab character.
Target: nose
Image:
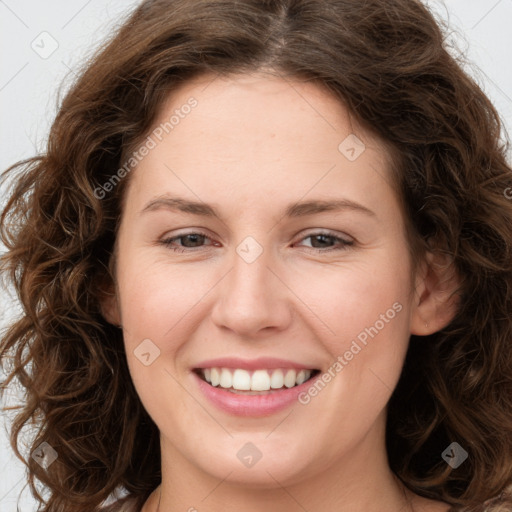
253	297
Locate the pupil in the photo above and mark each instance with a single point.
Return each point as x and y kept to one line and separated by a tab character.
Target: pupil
195	237
321	236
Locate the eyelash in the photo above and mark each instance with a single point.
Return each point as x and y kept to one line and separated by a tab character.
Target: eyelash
344	243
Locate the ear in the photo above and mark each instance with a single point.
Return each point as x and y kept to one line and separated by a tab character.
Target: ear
109	305
435	300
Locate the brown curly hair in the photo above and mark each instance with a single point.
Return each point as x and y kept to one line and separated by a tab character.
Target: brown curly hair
387	61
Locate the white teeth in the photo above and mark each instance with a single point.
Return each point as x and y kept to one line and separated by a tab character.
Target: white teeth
260	380
290	378
226	379
277	379
301	377
242	380
215	376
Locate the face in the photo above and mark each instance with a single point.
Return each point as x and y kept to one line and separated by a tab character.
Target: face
293	256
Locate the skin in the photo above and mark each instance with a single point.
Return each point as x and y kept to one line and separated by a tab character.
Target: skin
253	145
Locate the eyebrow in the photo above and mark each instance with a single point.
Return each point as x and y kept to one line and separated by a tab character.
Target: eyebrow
300	209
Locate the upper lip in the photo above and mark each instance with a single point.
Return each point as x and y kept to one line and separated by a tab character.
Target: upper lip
252	364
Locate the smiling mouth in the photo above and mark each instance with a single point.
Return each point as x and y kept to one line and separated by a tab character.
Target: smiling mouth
256	382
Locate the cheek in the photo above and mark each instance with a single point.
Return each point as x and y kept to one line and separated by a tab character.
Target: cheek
155	297
157	304
349	300
366	312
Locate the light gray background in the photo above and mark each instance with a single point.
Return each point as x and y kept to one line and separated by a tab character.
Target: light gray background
30	78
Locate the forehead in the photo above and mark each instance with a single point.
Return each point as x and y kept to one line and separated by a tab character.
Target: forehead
263	103
259	134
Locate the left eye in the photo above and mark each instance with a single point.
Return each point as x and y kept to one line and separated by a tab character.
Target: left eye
193	240
322	237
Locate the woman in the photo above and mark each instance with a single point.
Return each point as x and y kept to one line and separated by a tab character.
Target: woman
191	339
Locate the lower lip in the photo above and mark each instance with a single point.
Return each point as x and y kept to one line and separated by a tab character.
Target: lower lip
252	405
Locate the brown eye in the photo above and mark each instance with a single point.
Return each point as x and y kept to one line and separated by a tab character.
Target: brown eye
323	242
187	241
